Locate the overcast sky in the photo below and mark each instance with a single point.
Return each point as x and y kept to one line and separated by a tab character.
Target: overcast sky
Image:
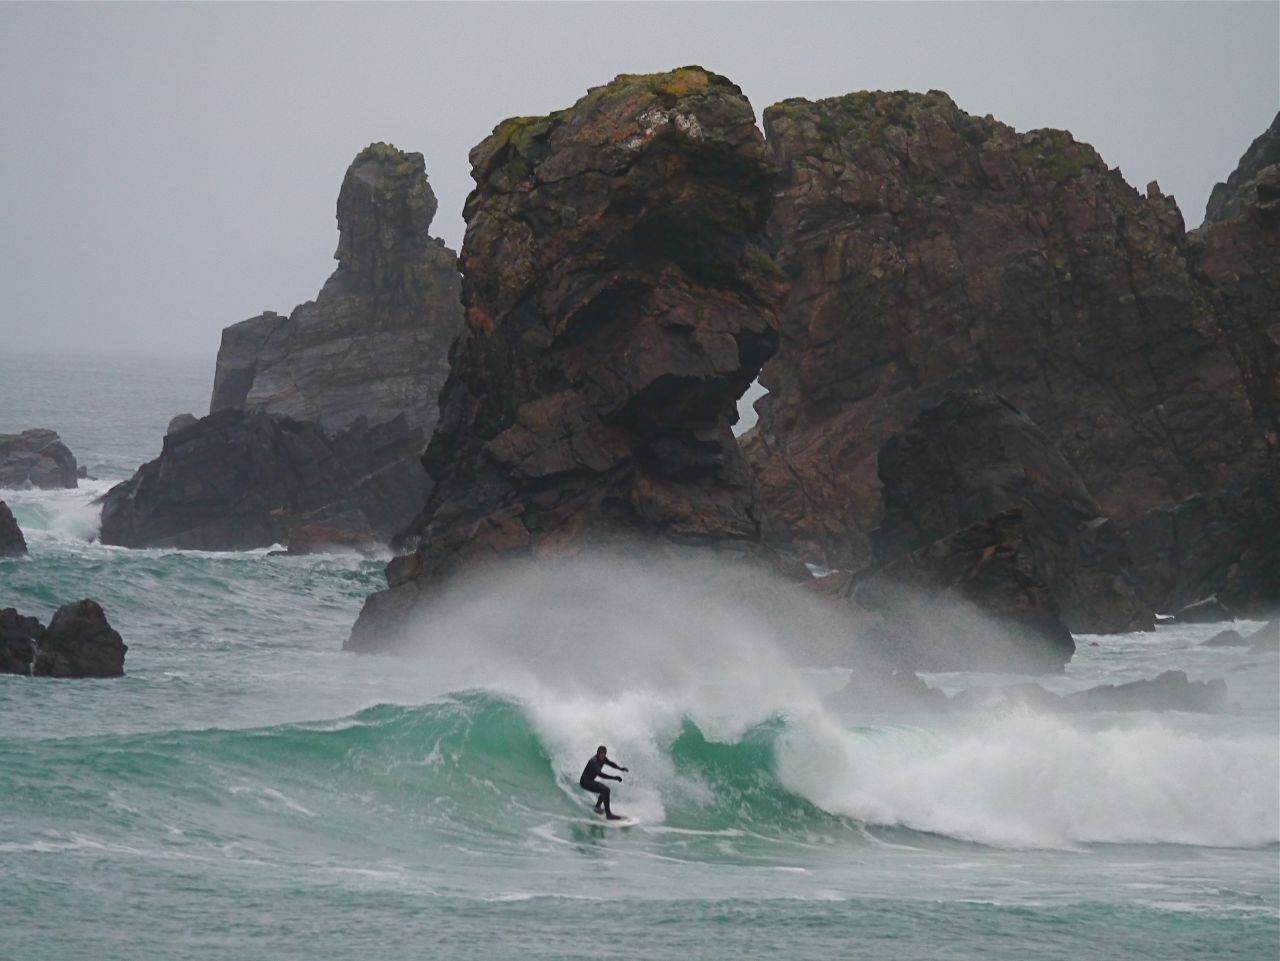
169	169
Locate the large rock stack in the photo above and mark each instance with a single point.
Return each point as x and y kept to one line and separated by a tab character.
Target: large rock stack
617	305
319	418
931	250
375	341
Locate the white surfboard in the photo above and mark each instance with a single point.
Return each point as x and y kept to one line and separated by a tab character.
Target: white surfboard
622	822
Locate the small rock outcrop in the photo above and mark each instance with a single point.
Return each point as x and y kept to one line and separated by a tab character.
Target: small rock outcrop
972	456
319	539
931	250
617	305
238	480
18	638
78	643
36	458
12	543
375	342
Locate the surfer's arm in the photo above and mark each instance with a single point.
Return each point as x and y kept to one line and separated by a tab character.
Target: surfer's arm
616	767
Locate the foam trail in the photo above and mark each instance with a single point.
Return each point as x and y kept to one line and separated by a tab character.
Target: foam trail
1028	780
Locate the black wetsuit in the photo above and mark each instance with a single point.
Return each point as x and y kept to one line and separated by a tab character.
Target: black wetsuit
593	770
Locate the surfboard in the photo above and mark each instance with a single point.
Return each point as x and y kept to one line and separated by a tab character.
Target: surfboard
623	822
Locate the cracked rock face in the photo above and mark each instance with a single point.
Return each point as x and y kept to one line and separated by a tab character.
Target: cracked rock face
617	305
375	341
931	250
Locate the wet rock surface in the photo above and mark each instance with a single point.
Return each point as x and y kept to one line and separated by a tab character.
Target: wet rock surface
617	305
36	458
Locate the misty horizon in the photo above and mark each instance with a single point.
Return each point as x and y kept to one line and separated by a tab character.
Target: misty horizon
173	169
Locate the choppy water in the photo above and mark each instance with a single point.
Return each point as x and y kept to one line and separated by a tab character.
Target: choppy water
251	791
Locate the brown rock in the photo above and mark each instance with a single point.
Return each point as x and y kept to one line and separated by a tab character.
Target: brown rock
929	250
617	305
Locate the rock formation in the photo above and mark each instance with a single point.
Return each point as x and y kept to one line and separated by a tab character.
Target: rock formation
319	418
931	250
79	642
12	543
237	480
1223	543
974	455
375	342
36	458
617	305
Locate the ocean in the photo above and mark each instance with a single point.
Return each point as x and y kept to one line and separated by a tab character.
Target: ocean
250	791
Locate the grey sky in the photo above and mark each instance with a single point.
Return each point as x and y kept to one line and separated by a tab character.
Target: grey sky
169	169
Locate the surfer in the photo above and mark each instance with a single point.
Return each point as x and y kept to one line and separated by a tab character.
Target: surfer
595	769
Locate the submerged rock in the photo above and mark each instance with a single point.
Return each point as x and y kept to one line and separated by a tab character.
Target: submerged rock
78	643
1228	638
375	341
12	543
617	305
1168	691
36	458
238	480
321	539
1265	639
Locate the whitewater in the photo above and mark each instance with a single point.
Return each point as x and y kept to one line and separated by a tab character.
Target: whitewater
249	790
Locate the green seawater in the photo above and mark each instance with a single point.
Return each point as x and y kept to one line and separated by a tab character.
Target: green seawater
250	791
